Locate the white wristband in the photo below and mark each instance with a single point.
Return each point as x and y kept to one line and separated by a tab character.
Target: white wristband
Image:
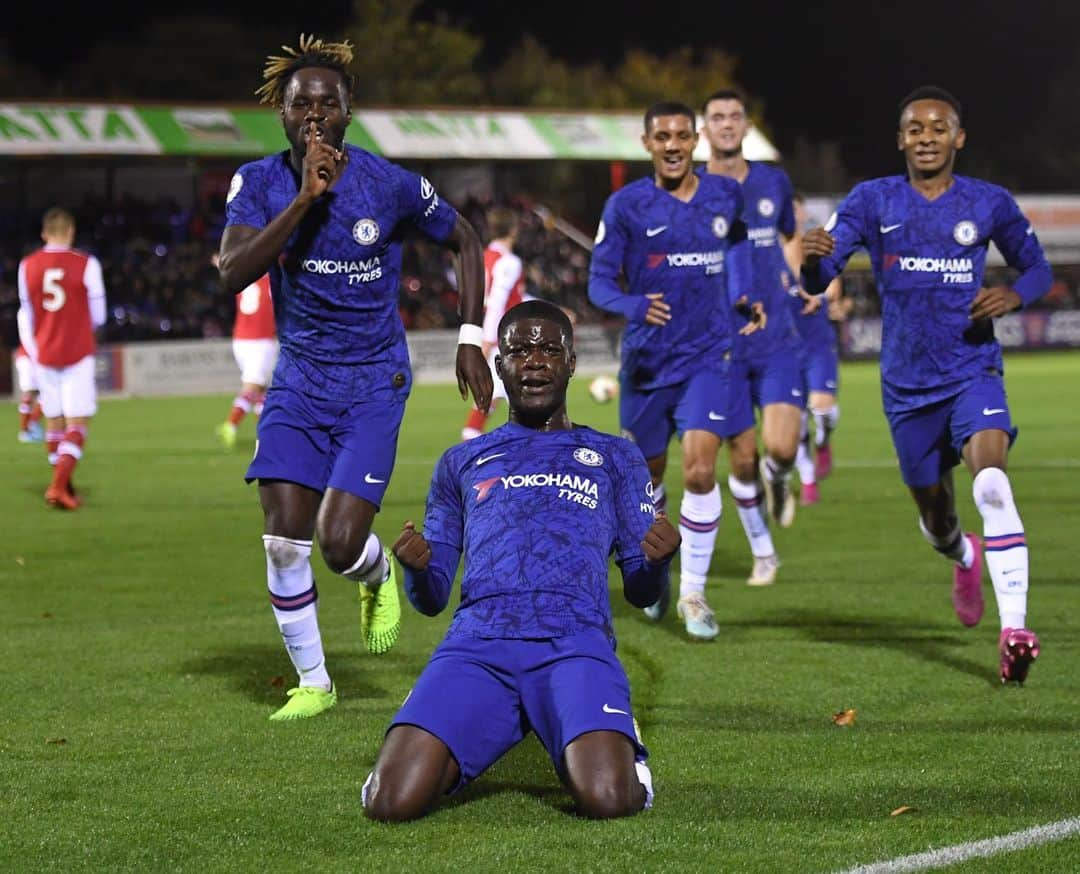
473	335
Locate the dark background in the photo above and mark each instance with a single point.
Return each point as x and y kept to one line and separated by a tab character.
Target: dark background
826	74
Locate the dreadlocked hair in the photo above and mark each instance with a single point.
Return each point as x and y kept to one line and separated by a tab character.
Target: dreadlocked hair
313	52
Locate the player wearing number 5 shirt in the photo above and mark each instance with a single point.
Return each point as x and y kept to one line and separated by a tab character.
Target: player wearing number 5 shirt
61	302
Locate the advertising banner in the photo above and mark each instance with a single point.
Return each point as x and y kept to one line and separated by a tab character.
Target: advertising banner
248	132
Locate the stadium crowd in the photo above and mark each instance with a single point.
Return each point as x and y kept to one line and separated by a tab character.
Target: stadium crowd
161	284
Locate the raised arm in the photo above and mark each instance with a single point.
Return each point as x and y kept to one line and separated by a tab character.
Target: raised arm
247	252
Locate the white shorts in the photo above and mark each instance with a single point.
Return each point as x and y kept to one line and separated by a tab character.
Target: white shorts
68	391
25	370
256	360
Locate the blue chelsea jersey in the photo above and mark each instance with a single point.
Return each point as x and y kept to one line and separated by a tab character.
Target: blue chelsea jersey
694	253
335	286
928	259
769	215
537	515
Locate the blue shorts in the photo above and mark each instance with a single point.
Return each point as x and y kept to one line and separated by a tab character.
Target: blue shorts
481	696
318	443
821	369
773	379
929	440
711	400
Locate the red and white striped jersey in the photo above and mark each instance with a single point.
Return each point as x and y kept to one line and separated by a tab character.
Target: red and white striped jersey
255	312
504	286
62	300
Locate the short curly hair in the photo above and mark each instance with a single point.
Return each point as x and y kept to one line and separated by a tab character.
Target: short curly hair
312	52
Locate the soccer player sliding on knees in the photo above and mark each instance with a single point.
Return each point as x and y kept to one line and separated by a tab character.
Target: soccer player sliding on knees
942	374
531	646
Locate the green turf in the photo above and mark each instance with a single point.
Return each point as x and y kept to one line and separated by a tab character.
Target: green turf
143	661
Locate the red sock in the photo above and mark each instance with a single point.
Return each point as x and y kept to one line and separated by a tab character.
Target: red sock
52	444
476	419
70	451
241	406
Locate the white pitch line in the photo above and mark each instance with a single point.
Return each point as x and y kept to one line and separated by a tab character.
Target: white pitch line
1038	464
1032	837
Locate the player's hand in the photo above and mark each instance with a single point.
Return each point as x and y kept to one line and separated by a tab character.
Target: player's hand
990	303
661	541
754	313
411	549
320	164
659	313
474	375
811	302
816	244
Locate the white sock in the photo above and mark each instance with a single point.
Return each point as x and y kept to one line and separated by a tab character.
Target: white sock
294	599
644	776
699	517
659	498
804	464
953	545
371	568
1004	545
750	503
825	423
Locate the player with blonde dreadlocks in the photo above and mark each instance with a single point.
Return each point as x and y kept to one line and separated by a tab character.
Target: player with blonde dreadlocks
326	220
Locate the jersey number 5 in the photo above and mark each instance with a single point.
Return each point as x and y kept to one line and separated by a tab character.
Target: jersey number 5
53	291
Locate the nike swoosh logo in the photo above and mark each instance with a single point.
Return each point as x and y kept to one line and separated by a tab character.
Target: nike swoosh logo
652	232
988	412
608	709
795	393
885	229
716	417
488	458
368	478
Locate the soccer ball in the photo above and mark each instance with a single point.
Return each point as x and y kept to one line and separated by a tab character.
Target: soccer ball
603	389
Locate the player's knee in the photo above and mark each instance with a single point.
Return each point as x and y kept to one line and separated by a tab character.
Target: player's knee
340	552
386	800
699	477
606	798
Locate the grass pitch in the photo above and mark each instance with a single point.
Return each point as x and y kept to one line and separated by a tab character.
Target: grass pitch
143	662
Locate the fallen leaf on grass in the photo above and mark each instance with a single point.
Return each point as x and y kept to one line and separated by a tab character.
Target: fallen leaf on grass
904	808
844	717
277	681
57	741
20	561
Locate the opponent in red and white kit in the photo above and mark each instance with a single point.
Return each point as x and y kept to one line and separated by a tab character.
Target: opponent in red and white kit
61	303
30	429
255	349
504	279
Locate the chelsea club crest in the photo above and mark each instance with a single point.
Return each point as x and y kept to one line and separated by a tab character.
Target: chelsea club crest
965	233
365	232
